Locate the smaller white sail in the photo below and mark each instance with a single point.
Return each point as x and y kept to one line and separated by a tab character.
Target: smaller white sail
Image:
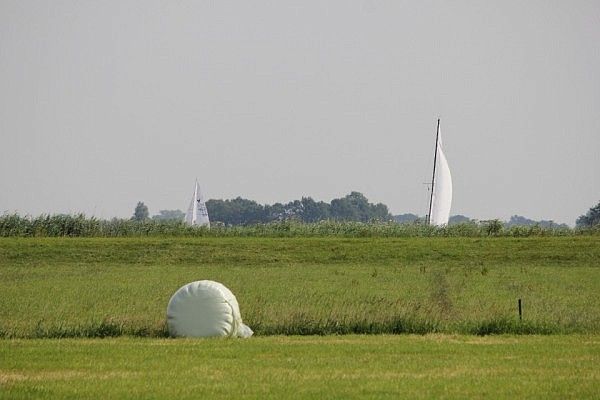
197	214
442	189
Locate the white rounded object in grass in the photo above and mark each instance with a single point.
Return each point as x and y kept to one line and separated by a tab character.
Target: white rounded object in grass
205	309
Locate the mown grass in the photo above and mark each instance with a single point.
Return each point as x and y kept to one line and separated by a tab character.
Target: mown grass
14	225
310	367
75	287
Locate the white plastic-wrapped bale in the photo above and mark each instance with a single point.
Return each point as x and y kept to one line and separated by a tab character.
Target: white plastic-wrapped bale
205	309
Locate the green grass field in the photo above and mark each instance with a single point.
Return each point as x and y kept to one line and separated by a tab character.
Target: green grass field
108	287
311	367
85	318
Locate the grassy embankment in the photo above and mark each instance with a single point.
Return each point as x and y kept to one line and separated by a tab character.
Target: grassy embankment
109	287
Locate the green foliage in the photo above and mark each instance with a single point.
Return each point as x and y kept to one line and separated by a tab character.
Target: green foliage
459	219
353	207
298	286
13	225
517	220
406	218
169	215
313	211
356	207
492	227
237	211
591	219
141	212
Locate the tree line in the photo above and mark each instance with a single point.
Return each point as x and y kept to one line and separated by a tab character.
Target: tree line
352	207
239	211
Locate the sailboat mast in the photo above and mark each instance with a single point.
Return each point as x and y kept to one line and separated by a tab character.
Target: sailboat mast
437	135
195	212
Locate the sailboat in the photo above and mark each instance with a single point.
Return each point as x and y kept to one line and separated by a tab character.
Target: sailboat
197	214
441	186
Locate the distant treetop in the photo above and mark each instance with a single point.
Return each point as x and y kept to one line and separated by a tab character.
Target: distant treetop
590	219
141	212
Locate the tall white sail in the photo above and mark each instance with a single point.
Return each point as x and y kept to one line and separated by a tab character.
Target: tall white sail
197	214
441	198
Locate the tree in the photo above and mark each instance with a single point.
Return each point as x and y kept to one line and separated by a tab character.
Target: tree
141	212
237	211
276	212
493	227
518	220
313	211
356	207
353	207
459	219
406	218
169	215
591	219
348	207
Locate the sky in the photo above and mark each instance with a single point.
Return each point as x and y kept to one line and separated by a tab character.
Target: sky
104	104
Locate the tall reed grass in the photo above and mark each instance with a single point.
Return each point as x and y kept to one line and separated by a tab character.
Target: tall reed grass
14	225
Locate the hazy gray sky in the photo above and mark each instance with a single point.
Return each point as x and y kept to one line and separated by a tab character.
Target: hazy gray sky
106	103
